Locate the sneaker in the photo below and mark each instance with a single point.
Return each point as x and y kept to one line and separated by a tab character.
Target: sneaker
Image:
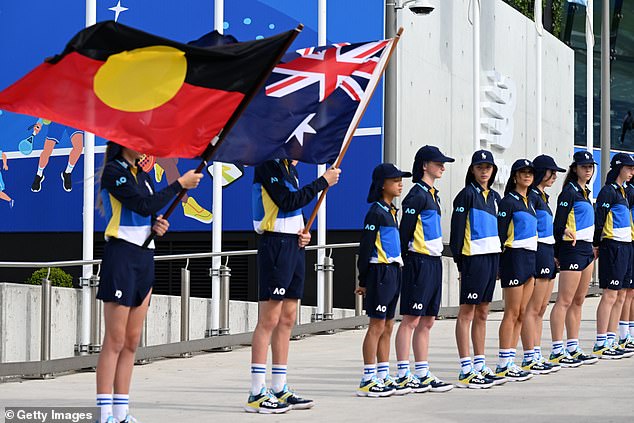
605	352
436	384
411	381
624	353
626	344
490	374
265	403
583	357
390	382
473	380
513	373
536	368
287	396
374	388
129	419
554	367
564	360
66	182
36	186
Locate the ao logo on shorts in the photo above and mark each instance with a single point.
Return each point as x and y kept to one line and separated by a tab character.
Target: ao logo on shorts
417	306
614	282
118	293
574	266
381	308
472	296
279	291
545	271
514	282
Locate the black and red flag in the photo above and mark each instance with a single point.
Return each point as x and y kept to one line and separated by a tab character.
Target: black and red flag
145	92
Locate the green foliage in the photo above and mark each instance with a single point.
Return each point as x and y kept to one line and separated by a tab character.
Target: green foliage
526	7
58	277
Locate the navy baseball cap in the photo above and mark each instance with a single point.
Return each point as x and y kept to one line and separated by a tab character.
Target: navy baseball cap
482	156
379	175
431	153
621	159
583	158
545	162
522	164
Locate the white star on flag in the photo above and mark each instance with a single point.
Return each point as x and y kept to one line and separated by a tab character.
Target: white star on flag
118	9
303	129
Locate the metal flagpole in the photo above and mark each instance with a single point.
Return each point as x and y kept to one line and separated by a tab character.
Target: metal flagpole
89	212
213	325
590	81
321	216
476	73
539	26
605	90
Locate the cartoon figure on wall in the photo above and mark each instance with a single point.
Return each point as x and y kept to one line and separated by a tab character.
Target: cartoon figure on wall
55	134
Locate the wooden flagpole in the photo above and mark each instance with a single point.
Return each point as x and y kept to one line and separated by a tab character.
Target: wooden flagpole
354	126
213	147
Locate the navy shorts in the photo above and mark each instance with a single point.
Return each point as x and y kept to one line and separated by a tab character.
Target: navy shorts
575	258
281	267
127	273
545	267
615	259
477	278
517	266
629	283
56	132
383	283
421	290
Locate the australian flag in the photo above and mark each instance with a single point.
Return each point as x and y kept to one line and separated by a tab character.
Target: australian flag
306	107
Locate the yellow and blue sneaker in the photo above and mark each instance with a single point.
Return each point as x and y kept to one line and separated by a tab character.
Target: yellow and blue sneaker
374	388
436	384
606	352
265	403
513	373
411	381
564	360
490	374
389	382
583	357
473	380
554	367
627	344
287	396
536	368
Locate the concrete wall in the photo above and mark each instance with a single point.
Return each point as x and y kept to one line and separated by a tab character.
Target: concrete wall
20	320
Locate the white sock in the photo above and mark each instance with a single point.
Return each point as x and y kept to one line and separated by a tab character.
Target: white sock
369	371
513	352
479	363
529	355
402	367
503	357
104	402
611	338
69	168
465	365
278	381
558	346
538	352
624	329
120	404
421	368
601	338
632	328
40	171
383	370
258	378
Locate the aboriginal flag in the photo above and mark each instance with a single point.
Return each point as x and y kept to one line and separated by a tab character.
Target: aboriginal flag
148	93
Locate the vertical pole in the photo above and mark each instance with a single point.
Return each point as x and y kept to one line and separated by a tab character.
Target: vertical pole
45	321
358	299
390	135
321	214
605	90
225	278
329	269
216	244
185	288
475	9
539	26
95	317
590	81
88	213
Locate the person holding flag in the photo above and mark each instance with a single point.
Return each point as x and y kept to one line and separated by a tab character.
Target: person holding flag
277	216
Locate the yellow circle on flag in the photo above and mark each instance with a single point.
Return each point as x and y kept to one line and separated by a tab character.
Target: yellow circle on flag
141	79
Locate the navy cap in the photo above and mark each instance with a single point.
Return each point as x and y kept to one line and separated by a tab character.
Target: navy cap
621	159
545	162
522	164
379	175
482	156
431	153
583	158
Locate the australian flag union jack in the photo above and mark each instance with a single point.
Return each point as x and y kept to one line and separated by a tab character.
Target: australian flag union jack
306	106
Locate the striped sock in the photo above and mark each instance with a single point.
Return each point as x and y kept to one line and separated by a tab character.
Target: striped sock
538	352
624	329
572	345
601	338
278	377
503	357
104	402
465	365
513	353
631	325
120	404
558	347
611	338
479	361
40	171
529	355
402	367
69	168
369	371
258	378
421	368
383	370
